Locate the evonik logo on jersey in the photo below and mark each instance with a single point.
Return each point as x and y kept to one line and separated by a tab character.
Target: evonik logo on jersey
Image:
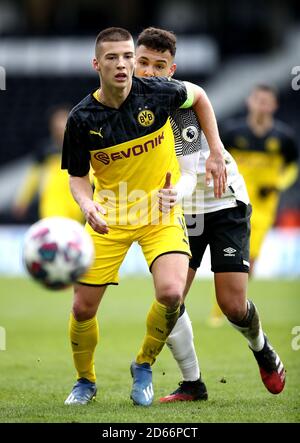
133	151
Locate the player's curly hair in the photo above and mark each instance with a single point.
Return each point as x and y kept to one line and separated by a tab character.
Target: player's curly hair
158	39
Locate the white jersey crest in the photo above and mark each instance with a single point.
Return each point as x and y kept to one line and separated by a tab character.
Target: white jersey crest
189	138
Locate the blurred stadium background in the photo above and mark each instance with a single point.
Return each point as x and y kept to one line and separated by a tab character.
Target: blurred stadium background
225	46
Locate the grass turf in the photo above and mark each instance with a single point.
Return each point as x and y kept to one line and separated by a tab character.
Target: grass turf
37	371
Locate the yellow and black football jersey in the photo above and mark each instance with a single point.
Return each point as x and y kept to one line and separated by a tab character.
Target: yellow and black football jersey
130	148
263	162
46	177
260	160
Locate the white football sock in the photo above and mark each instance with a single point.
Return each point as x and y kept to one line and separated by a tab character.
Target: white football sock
253	331
181	344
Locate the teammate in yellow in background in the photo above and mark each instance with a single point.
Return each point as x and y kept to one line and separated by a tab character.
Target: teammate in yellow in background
266	152
123	131
46	177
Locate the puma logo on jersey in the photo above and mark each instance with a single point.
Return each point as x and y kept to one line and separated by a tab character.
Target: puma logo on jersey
96	133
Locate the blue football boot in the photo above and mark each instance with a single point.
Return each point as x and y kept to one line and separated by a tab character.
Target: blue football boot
142	390
82	393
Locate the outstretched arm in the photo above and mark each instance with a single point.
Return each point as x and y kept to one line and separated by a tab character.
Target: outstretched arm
215	164
83	194
27	191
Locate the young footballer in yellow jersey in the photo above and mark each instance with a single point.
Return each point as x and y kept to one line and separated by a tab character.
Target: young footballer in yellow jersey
123	131
266	152
226	230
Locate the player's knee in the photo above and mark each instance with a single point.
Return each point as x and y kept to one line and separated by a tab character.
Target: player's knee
83	311
170	295
235	311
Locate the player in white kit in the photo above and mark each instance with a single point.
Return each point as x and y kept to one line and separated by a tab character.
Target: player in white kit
222	223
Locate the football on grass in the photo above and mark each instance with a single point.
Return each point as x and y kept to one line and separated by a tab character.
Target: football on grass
57	251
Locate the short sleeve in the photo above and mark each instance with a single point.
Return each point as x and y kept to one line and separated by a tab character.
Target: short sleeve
181	95
75	155
190	96
290	149
172	93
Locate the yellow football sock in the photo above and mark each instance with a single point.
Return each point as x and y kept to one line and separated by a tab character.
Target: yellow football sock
216	316
216	310
84	338
160	322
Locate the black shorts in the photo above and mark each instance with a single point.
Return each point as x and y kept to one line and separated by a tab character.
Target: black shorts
227	232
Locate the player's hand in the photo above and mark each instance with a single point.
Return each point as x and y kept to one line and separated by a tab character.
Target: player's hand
265	191
92	211
216	171
167	195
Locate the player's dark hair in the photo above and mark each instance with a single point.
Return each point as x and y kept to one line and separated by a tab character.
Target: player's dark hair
267	88
112	34
158	39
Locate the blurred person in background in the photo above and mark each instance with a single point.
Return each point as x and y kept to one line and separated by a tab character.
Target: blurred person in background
46	177
226	230
266	152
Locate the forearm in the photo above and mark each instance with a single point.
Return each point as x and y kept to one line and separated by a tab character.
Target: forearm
288	176
30	187
81	190
207	119
83	194
187	183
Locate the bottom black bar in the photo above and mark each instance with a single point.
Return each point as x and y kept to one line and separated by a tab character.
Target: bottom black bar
135	431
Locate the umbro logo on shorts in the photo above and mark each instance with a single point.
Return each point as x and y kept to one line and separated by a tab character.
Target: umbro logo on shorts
229	252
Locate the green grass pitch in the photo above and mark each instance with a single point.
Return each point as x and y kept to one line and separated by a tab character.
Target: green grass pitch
37	371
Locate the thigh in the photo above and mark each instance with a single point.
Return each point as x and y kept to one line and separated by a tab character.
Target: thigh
110	251
158	240
170	273
229	239
231	293
260	226
258	234
262	220
198	245
86	300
